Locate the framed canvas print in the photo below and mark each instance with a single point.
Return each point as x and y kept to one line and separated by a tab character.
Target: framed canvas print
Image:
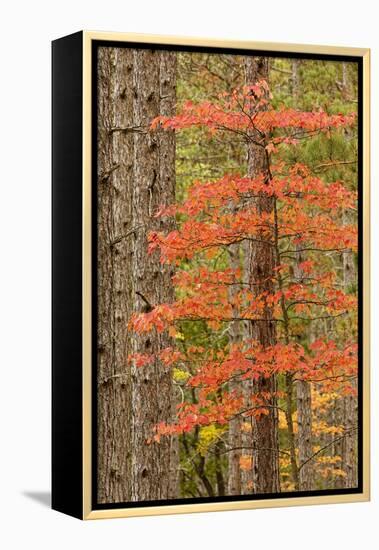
210	275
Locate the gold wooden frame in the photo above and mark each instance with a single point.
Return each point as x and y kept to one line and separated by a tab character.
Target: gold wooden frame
88	512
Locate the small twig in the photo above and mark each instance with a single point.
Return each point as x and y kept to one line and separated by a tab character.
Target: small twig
105	175
281	70
346	434
107	378
128	129
334	163
277	451
126	235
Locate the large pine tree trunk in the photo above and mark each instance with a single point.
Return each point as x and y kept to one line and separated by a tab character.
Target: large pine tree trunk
262	263
136	174
115	150
154	466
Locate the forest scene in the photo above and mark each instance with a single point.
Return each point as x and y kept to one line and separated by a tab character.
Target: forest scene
227	275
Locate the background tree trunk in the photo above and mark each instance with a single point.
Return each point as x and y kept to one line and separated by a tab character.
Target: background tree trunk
304	424
154	466
265	462
303	388
234	433
350	402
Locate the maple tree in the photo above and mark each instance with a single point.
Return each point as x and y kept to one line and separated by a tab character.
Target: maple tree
306	221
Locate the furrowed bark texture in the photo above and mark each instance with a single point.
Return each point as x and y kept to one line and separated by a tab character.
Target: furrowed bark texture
262	262
154	467
115	151
136	174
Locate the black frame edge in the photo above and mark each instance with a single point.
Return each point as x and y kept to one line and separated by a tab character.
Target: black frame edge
67	163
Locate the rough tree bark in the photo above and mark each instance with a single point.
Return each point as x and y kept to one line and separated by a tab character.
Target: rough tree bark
265	461
136	174
115	150
154	466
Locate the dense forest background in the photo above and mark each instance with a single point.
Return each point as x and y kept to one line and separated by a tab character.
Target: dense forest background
227	275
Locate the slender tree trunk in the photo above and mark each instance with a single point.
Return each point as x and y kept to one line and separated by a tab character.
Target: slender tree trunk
154	466
350	405
220	481
115	150
349	455
295	81
304	426
265	461
303	388
247	426
234	433
346	407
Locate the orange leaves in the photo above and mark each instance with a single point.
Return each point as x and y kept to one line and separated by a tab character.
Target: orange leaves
205	197
185	280
248	109
306	266
199	236
155	319
141	359
320	231
248	360
327	365
307	215
246	462
213	213
204	413
332	367
305	218
168	356
205	296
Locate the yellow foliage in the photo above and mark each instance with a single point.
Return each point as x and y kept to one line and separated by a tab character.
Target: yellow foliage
321	402
320	427
180	375
287	486
283	421
329	471
209	435
329	459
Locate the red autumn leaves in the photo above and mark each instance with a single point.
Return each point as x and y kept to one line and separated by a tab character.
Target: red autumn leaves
217	214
